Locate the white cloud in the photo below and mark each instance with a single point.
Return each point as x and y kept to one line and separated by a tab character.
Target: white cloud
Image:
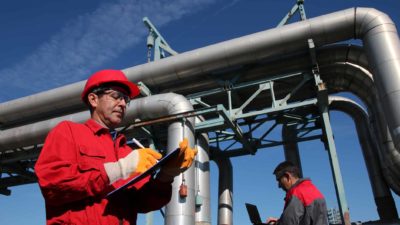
90	41
227	6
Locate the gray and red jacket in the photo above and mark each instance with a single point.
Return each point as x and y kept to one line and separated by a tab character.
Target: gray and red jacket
304	205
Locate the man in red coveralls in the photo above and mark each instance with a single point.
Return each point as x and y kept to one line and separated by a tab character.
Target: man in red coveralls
81	163
304	203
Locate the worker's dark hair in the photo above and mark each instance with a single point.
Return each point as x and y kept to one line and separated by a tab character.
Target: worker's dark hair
286	167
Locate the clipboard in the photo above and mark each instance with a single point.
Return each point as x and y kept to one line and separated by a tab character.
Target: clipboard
151	170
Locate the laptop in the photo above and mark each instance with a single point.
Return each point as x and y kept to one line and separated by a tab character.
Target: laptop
254	214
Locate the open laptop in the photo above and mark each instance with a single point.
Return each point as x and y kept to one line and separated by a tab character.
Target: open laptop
254	214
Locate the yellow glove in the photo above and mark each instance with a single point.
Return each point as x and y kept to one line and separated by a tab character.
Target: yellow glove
134	163
181	163
147	158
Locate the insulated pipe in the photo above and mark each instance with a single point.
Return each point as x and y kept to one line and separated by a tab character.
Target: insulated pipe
35	133
345	68
363	86
337	65
42	105
225	191
383	198
179	211
141	108
375	28
390	165
202	171
290	147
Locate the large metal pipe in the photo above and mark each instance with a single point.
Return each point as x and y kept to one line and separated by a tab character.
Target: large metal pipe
375	28
345	68
202	171
359	81
43	105
383	198
225	191
141	108
290	146
341	66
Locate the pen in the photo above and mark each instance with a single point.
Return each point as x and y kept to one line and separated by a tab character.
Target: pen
137	143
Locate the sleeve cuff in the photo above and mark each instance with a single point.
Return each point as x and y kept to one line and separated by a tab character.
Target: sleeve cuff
113	171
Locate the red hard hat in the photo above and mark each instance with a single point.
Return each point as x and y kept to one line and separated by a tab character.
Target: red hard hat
109	76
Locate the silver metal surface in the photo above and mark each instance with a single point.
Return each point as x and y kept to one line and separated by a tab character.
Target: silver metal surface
290	147
374	27
382	195
225	191
202	187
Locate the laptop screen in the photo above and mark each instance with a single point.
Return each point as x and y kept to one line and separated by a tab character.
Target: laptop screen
253	213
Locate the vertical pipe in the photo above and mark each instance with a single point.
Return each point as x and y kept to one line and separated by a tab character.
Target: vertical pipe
225	191
290	147
382	195
150	215
180	211
382	45
202	170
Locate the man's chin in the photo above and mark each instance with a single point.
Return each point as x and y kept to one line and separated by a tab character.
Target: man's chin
118	116
115	122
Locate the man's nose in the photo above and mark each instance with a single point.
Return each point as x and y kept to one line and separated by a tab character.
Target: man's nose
123	103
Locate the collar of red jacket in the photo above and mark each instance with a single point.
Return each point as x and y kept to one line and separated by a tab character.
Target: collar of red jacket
96	127
298	182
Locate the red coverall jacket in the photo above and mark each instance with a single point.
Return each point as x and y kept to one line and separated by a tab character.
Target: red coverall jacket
73	181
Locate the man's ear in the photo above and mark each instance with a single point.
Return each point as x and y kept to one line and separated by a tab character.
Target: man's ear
93	100
287	175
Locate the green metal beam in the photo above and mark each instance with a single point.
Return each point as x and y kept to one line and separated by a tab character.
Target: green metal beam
323	105
334	161
299	6
156	40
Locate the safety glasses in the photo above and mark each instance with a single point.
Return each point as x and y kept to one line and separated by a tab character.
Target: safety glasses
114	94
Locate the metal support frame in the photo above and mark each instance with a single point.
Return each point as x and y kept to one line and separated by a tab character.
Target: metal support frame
17	165
227	125
299	6
156	41
323	105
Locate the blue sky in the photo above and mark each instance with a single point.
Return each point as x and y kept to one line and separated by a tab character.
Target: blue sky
46	44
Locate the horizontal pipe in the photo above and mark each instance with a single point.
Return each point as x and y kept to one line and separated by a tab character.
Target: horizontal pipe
374	27
143	108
